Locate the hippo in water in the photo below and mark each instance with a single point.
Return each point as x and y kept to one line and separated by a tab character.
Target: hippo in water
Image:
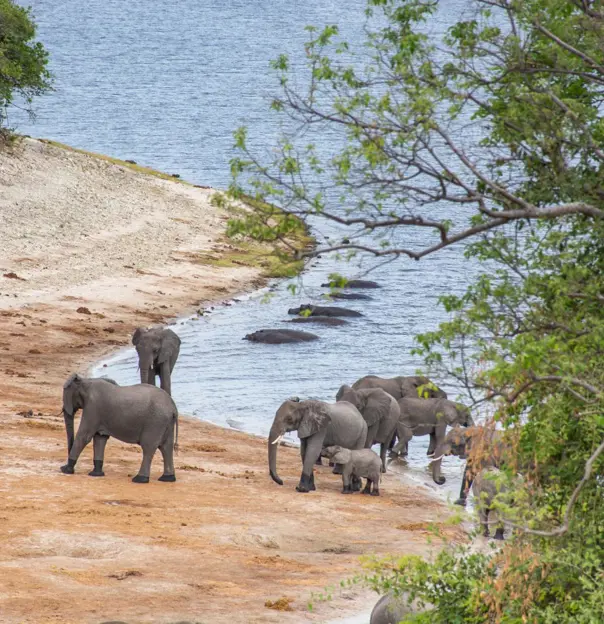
323	311
280	336
321	320
353	284
341	295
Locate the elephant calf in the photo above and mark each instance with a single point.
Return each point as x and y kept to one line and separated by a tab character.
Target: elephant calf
158	350
361	463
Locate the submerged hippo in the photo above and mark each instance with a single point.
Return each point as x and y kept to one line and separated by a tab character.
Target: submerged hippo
280	336
323	311
354	284
322	320
341	295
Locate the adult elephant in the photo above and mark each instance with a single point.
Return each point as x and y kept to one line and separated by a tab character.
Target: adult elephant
158	350
400	387
380	411
318	424
391	609
421	417
140	414
482	447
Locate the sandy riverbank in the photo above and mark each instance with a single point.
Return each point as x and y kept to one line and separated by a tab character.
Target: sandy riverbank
89	249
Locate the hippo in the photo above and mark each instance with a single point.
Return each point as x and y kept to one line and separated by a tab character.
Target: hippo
341	295
280	336
353	284
322	320
324	310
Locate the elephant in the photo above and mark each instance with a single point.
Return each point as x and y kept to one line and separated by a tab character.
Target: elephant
323	310
486	488
360	463
280	336
355	283
401	387
157	350
430	416
380	411
318	424
486	446
140	414
391	609
321	320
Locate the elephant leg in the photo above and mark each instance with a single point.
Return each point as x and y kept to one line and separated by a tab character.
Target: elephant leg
145	469
367	488
346	474
404	435
383	451
82	438
167	452
432	445
165	381
337	469
356	483
371	433
483	515
376	488
312	450
98	444
466	484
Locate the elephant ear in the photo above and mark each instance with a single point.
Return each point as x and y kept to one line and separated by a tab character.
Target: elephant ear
138	334
315	417
377	407
343	456
70	387
169	347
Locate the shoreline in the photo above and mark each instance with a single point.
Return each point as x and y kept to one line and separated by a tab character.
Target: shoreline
222	540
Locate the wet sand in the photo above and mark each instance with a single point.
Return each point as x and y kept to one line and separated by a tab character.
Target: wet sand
224	539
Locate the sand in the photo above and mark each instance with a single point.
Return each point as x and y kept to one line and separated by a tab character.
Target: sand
90	249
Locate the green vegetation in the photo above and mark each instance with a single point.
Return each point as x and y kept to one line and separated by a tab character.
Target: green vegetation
23	61
490	133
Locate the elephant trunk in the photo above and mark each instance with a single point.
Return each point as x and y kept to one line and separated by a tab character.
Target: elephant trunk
69	429
273	443
146	368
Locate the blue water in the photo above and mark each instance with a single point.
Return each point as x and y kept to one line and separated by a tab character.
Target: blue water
165	84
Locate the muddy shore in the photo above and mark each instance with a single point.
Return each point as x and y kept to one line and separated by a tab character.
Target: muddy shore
90	249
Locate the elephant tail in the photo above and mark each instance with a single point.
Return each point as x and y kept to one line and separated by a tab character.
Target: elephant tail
176	432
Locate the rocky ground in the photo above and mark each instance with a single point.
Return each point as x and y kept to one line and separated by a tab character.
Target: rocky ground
90	249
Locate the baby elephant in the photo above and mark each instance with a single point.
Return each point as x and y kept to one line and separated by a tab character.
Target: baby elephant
360	463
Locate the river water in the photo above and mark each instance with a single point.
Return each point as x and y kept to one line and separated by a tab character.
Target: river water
165	84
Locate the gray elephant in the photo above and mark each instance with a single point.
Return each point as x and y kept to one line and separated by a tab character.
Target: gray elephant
157	350
380	411
421	417
391	609
318	424
489	451
486	488
140	414
361	463
314	310
416	386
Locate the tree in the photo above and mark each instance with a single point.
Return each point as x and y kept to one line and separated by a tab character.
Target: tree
497	125
23	61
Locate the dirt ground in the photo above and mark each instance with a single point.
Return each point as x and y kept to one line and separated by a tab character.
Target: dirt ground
89	250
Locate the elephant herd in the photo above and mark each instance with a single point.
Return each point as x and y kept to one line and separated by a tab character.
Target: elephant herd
372	411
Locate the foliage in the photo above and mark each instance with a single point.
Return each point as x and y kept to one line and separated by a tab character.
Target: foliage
491	134
23	61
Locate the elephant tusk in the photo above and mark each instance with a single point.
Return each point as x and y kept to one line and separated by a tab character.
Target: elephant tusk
437	458
278	439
